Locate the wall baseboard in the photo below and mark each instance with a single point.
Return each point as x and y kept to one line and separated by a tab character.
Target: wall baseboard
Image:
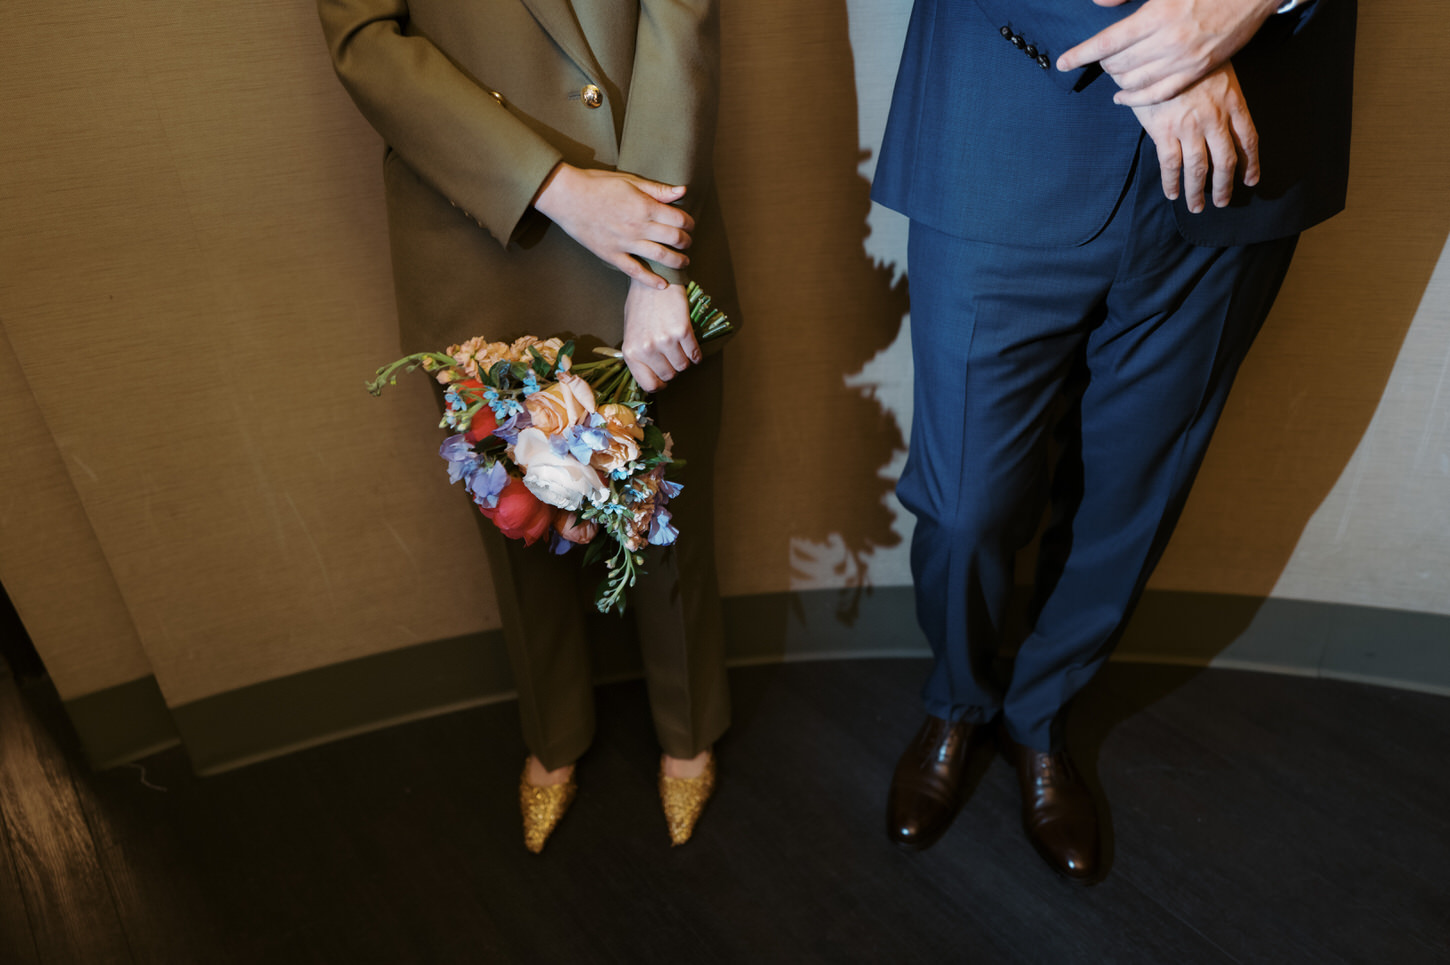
1393	648
123	723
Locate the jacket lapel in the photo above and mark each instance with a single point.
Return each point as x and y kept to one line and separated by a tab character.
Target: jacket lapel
558	20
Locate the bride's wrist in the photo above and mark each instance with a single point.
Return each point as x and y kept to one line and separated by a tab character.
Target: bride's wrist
553	195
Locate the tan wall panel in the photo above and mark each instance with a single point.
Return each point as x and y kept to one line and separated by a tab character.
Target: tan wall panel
198	218
50	562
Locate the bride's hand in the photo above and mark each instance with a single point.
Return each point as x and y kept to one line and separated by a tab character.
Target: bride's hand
620	218
658	340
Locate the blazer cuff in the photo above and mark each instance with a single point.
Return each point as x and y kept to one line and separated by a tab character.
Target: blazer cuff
505	208
675	276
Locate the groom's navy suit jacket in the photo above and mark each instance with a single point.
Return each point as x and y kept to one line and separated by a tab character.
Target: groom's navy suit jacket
986	143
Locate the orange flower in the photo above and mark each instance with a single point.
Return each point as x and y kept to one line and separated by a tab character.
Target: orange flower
478	353
548	348
570	527
625	435
622	419
567	402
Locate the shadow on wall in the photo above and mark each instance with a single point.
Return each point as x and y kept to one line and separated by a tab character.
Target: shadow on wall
796	437
1315	378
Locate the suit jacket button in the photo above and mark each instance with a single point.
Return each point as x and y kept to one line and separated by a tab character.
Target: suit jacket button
1043	61
1006	32
592	96
1032	51
1017	41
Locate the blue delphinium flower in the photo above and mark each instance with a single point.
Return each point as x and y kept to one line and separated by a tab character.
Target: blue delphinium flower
509	428
459	455
558	545
502	408
582	442
485	482
661	532
558	445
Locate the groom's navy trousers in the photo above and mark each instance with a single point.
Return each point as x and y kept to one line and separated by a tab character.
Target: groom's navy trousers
1056	294
1127	345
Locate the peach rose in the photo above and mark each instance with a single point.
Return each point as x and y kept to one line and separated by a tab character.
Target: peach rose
625	435
567	402
570	527
622	450
622	419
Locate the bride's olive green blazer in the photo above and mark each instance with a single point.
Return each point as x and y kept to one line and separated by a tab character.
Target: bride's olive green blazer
476	102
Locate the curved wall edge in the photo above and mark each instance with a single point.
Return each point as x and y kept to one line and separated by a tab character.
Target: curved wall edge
1393	648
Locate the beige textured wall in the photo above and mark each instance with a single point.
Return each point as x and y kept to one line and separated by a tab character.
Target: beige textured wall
1382	536
1313	383
194	285
50	559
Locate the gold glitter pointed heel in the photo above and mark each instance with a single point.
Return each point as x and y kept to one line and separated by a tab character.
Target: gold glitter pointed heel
684	798
543	808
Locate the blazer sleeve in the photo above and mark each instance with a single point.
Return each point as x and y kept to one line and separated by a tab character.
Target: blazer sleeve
669	123
449	127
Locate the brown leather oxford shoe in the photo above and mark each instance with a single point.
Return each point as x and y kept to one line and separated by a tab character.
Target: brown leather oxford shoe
926	789
1058	812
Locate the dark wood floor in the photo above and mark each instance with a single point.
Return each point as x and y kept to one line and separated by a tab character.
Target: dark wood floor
1255	818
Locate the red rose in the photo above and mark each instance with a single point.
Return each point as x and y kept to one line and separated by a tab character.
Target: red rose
520	514
470	389
482	426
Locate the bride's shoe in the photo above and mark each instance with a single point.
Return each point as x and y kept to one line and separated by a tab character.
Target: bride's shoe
684	798
543	806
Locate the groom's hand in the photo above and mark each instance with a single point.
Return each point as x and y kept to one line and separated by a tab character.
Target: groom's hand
1205	132
1158	51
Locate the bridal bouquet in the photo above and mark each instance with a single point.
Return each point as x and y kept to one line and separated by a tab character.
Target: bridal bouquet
550	447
